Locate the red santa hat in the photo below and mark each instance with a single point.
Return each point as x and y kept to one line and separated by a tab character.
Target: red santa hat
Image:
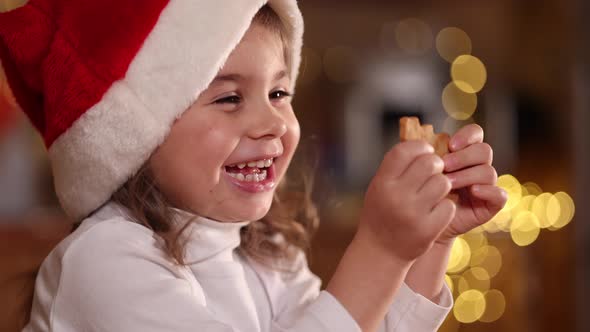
103	80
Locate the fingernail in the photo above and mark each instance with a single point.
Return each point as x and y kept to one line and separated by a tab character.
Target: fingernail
476	188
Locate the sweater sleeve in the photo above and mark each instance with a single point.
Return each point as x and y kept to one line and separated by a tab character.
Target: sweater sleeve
299	305
411	311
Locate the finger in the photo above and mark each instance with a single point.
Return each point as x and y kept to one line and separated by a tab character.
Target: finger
436	188
442	214
399	158
481	174
421	169
466	136
476	154
495	197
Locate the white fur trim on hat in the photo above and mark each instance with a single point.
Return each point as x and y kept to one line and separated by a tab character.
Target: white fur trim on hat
184	52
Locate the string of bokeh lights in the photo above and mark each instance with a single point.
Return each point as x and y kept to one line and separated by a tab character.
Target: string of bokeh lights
474	261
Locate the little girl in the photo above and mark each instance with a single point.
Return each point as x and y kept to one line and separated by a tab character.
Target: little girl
170	129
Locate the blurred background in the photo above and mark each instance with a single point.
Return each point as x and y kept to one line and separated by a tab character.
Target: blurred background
520	69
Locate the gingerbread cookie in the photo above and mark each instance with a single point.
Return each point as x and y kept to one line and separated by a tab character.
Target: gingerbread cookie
410	129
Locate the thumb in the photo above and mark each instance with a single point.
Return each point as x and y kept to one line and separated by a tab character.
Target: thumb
442	214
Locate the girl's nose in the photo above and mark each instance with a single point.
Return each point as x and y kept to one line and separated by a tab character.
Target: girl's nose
267	122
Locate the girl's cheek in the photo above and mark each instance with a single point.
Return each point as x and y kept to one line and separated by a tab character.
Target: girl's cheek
294	128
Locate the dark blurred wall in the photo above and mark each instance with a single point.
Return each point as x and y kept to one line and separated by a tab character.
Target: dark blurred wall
581	82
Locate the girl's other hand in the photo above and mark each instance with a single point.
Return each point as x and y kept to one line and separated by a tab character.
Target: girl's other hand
469	168
405	208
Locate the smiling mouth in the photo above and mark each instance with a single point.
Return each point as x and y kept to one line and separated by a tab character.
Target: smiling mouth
253	171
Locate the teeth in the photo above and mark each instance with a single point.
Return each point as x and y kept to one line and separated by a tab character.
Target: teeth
256	177
261	175
256	163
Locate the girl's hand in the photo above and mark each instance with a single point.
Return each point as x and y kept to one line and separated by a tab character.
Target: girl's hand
405	208
469	168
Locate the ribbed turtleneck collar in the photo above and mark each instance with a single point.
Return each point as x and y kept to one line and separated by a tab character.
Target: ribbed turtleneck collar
206	239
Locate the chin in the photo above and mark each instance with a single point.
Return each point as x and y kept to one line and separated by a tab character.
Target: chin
252	209
255	214
249	212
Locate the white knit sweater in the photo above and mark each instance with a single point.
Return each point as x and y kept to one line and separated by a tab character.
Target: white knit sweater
112	275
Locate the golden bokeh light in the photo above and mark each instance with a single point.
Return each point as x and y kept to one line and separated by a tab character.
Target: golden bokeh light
340	64
532	188
552	210
455	278
468	73
461	285
567	210
458	104
525	228
452	42
449	282
525	204
495	306
500	222
460	256
512	187
474	278
489	258
478	229
469	306
414	36
475	239
539	208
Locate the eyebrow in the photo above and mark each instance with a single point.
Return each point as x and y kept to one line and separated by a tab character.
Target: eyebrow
237	77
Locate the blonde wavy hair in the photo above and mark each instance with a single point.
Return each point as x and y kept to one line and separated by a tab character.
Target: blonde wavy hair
292	216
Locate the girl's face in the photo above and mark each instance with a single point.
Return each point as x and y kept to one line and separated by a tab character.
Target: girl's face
225	156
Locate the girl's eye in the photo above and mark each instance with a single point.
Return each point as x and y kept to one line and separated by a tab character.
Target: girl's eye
279	94
229	100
